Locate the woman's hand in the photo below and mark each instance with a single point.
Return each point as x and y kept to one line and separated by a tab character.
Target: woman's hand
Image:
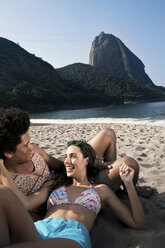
126	173
3	170
37	149
1	164
53	163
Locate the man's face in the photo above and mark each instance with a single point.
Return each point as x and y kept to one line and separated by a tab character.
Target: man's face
23	150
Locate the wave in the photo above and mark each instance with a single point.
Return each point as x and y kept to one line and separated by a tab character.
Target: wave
147	121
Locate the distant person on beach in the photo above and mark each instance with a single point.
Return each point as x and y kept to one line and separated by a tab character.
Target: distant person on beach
72	207
30	166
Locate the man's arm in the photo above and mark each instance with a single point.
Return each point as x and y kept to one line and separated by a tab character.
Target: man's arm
53	163
30	202
135	217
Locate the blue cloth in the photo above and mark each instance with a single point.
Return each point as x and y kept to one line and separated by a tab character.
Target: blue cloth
50	228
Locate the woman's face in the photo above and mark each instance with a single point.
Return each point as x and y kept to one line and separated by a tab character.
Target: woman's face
74	162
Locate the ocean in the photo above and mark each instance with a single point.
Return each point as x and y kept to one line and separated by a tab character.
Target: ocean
144	113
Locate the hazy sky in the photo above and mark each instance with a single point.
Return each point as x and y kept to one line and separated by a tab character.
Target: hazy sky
61	31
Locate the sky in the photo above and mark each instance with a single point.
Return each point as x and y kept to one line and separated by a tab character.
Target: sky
61	32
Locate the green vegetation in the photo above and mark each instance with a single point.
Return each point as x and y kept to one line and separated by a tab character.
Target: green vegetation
112	88
32	84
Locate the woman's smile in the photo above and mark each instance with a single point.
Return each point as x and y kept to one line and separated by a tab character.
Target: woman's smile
70	168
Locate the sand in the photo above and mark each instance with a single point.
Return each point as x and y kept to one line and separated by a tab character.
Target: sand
144	143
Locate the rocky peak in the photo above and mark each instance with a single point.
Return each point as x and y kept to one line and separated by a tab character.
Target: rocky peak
109	53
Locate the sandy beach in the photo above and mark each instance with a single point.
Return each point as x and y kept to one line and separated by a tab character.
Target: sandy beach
144	143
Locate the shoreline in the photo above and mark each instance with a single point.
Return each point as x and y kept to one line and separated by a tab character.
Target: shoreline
79	107
143	142
130	121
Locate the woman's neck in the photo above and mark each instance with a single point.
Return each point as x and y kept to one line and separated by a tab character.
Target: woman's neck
80	181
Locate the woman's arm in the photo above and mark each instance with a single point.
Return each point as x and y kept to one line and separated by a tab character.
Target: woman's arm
30	202
134	218
53	163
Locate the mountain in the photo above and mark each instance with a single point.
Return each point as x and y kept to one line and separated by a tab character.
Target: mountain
28	82
17	64
110	88
109	53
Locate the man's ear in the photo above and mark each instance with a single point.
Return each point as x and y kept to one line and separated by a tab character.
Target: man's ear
8	154
87	161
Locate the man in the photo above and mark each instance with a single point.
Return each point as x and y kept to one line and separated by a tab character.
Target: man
30	167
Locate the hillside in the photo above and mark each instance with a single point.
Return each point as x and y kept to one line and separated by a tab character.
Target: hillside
32	84
28	82
113	89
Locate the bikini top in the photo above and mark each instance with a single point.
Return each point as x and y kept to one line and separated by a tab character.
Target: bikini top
88	198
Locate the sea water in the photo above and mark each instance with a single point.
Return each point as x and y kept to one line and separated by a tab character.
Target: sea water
144	113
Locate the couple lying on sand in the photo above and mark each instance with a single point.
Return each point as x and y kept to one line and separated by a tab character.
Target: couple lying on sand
77	193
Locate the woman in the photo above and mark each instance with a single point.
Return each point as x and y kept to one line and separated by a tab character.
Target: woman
72	209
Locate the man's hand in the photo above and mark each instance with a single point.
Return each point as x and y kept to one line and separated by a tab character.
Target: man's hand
44	191
100	165
126	173
47	186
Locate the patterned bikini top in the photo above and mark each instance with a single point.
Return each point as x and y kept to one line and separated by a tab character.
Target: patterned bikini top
89	199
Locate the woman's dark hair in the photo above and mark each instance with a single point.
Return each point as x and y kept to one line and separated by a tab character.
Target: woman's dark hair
14	122
87	151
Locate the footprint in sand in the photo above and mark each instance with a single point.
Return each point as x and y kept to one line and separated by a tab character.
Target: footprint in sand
147	165
143	154
139	148
139	159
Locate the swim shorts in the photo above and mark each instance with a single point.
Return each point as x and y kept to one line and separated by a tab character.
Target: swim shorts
50	228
